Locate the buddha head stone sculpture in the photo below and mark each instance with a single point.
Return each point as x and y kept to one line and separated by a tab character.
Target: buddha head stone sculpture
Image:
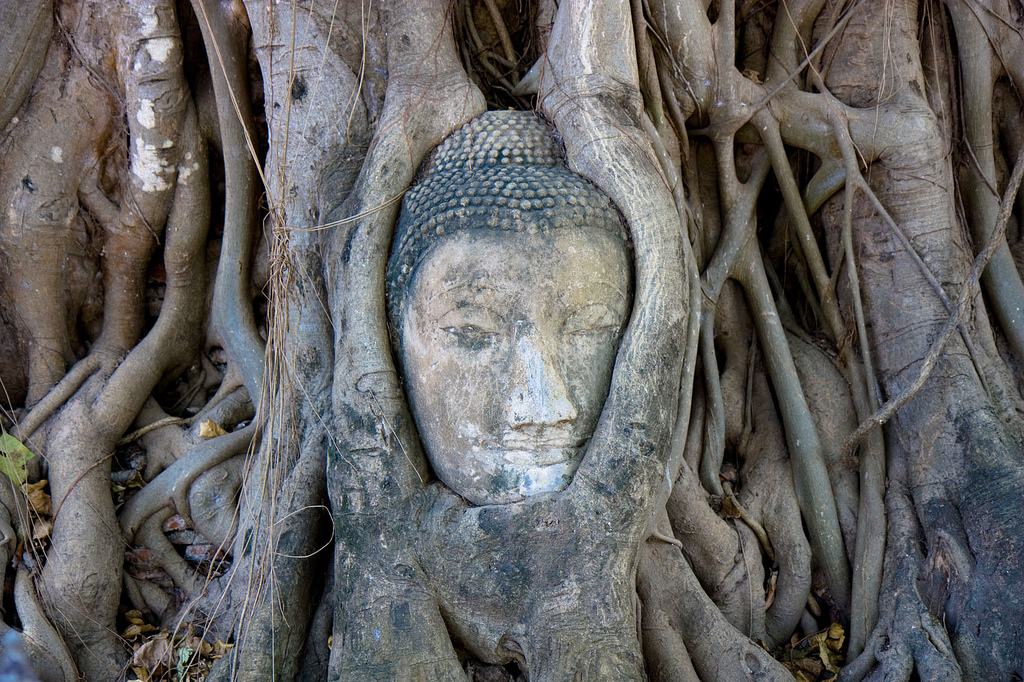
510	282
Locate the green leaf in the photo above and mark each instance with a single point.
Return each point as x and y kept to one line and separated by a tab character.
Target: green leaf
14	457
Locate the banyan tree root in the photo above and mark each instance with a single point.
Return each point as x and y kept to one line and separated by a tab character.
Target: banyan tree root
278	549
910	638
38	639
164	184
718	650
964	517
428	95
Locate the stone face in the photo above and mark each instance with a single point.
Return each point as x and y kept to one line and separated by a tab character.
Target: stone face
508	346
510	284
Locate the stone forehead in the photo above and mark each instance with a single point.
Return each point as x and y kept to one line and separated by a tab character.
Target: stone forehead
502	171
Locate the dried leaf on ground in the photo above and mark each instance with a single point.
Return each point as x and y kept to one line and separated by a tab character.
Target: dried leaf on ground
38	499
41	529
830	644
773	581
729	508
817	658
164	657
150	659
211	429
134	630
220	648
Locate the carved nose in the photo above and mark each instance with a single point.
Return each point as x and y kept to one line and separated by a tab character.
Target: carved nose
538	394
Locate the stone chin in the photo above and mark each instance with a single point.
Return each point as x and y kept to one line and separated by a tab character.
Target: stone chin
504	477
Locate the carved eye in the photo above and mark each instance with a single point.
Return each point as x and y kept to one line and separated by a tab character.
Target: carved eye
595	318
470	334
471	326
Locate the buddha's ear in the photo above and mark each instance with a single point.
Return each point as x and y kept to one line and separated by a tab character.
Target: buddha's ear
599	112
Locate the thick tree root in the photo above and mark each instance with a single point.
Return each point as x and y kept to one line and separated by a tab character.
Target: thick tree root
908	637
769	497
46	649
720	653
171	486
224	32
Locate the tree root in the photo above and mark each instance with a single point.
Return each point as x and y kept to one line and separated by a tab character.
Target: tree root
58	395
1001	281
46	648
953	554
171	486
719	652
81	580
42	227
213	499
23	48
907	637
317	650
150	62
165	556
813	487
428	95
996	239
225	38
80	584
276	574
769	496
709	544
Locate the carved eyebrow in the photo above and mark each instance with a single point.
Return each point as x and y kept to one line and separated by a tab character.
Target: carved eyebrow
621	293
470	309
593	315
448	289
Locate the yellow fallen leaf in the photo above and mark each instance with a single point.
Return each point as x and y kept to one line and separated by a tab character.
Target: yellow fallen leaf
220	648
828	648
836	637
729	508
134	616
210	429
41	529
770	590
38	499
134	630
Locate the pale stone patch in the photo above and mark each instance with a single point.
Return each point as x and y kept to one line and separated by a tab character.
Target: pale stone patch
146	115
160	48
185	171
56	154
149	167
149	24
